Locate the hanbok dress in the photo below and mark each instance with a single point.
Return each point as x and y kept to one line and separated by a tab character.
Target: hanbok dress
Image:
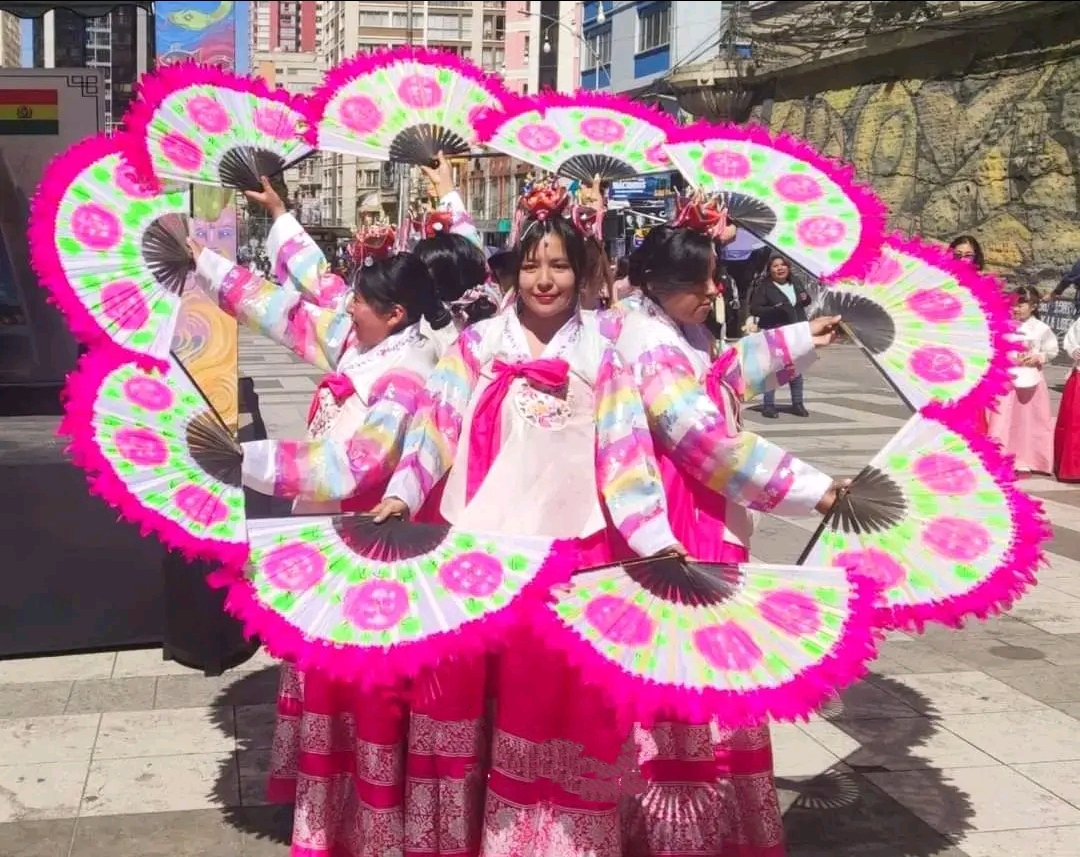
1067	430
555	446
296	258
339	753
1023	423
710	789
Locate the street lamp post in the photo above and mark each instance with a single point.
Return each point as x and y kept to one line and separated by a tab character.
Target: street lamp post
552	22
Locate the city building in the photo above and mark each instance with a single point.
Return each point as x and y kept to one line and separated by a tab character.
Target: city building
630	46
10	41
280	25
120	45
299	73
475	29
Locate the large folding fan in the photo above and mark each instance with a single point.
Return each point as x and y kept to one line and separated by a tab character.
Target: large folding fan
110	251
936	328
739	643
404	105
937	520
204	125
580	136
800	203
373	602
156	450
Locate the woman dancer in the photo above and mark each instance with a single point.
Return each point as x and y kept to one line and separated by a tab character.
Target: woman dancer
334	745
1067	429
710	791
1023	423
538	429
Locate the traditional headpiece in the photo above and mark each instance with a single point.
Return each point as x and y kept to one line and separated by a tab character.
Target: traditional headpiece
372	243
544	198
434	222
701	214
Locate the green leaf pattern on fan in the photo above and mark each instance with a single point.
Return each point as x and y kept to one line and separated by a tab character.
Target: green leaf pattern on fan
941	351
548	141
100	223
778	622
817	223
365	116
140	424
306	573
194	128
956	534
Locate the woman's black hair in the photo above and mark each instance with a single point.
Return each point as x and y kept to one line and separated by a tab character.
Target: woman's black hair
402	280
1027	295
457	265
504	266
976	248
534	231
670	260
773	257
622	267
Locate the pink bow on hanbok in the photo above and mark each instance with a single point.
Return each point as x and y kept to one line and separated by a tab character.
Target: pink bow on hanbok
486	434
340	388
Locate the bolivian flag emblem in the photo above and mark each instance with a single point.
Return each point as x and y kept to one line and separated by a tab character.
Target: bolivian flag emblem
29	113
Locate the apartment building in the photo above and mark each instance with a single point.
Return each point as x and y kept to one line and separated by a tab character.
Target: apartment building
10	41
281	25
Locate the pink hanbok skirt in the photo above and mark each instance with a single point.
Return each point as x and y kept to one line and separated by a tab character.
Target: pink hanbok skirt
1024	426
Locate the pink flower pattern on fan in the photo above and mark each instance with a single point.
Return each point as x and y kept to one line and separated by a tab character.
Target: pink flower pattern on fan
473	575
376	605
935	305
125	179
795	187
728	647
360	114
726	164
655	154
619	621
148	393
123	304
201	506
875	564
884	270
419	92
820	231
141	447
945	474
95	226
601	129
792	612
208	114
956	538
276	122
539	138
294	567
936	364
181	151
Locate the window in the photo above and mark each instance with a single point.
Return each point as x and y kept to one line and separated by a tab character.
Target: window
525	51
597	46
445	27
495	27
374	19
401	20
654	29
493	59
370	178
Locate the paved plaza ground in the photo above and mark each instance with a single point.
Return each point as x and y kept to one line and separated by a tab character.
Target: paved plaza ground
960	742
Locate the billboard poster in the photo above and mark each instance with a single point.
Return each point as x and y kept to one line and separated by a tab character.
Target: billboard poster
42	113
206	338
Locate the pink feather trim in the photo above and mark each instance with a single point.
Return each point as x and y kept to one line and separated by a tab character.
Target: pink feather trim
381	667
153	88
79	396
642	700
58	176
365	63
992	297
1022	560
872	210
487	125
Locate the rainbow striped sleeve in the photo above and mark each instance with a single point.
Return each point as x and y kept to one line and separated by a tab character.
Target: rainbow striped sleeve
296	258
463	223
770	359
626	468
433	438
314	334
333	469
745	468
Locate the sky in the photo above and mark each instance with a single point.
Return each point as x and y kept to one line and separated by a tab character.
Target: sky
27	43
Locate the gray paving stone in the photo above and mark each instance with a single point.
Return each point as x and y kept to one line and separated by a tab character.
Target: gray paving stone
36	838
1044	682
34	699
200	833
196	691
94	696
